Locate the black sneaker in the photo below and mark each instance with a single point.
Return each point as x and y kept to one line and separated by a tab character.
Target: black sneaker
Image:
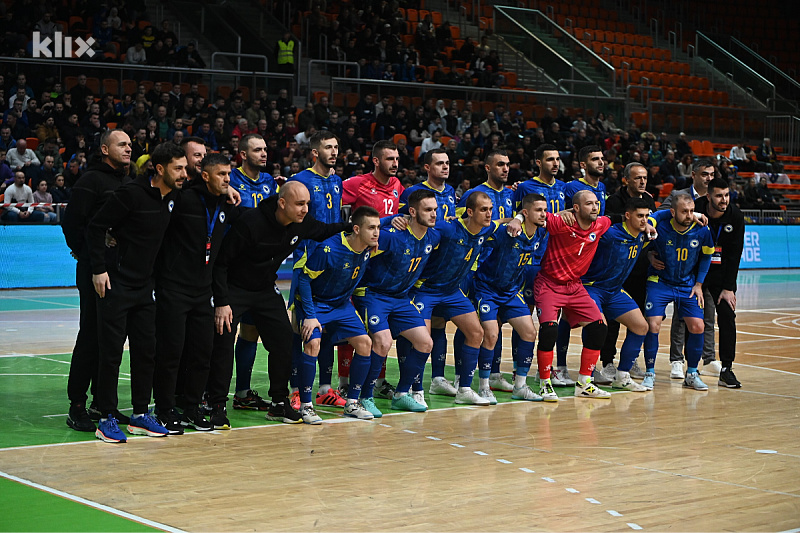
205	407
219	417
252	401
171	420
79	420
385	391
344	391
95	414
194	418
728	379
283	412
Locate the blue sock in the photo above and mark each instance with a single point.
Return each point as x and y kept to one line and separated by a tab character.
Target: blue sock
524	358
485	357
245	354
439	353
650	351
375	365
469	361
630	351
297	361
562	342
308	371
498	354
325	363
694	350
411	370
359	369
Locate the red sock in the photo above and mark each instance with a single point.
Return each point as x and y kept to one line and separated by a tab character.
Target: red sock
588	361
382	375
545	361
345	358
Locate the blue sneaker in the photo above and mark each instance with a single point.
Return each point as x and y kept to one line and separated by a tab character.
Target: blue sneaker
693	381
108	431
146	425
407	403
649	380
369	405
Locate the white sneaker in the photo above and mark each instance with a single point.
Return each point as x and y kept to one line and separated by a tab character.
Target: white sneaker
468	396
499	382
622	380
419	397
712	369
356	410
649	380
677	370
590	390
546	391
563	376
489	395
693	381
605	375
525	393
309	415
440	386
636	371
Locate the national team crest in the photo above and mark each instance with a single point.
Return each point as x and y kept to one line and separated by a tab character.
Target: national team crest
170	205
451	199
480	241
374	320
536	246
592	237
420	306
428	248
728	228
294	239
336	189
649	305
561	195
485	308
222	217
695	243
394	192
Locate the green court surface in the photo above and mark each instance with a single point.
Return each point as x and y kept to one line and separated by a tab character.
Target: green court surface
15	301
28	509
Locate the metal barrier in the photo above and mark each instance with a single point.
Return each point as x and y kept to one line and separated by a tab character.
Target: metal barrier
771	216
784	130
324	62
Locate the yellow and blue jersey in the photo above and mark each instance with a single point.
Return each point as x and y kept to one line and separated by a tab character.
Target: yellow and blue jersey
326	195
502	201
582	185
554	194
445	200
400	259
614	259
328	274
686	254
253	190
454	257
506	259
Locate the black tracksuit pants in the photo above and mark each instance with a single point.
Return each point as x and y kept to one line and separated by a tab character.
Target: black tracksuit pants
126	312
268	310
184	339
83	366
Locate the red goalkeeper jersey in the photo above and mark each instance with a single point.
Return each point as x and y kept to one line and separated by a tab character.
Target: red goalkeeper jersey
570	249
366	190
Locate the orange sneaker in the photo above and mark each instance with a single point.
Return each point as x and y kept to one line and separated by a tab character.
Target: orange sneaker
294	400
332	397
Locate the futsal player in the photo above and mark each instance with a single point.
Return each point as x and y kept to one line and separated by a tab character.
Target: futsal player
322	308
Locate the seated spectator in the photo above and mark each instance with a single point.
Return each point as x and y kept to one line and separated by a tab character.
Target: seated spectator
7	142
20	193
74	172
304	137
431	143
463	187
740	156
42	196
47	130
61	194
209	139
685	168
669	171
177	126
682	146
306	118
767	156
656	155
23	158
189	57
136	54
46	171
140	146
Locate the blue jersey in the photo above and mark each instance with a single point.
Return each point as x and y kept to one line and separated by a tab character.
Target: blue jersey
253	191
502	201
506	259
554	194
454	257
326	195
329	274
400	259
445	200
686	254
614	259
582	185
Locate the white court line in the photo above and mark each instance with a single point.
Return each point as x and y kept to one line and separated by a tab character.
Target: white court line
69	306
795	530
771	356
90	503
765	335
728	483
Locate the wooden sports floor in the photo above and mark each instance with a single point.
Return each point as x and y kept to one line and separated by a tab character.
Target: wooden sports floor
668	460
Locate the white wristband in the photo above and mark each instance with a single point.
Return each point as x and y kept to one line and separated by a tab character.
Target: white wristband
520	218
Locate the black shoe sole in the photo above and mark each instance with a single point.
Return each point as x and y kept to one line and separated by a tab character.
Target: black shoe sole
729	386
78	427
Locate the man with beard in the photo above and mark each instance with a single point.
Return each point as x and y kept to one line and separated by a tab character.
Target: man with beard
195	150
136	216
89	194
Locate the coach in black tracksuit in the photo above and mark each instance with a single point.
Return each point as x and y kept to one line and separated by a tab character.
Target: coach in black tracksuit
244	280
184	305
635	285
727	226
137	216
89	194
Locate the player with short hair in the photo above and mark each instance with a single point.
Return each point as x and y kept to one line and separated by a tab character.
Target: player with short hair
685	249
437	166
384	303
322	308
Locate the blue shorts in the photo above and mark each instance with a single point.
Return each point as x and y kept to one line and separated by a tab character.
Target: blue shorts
381	312
612	304
338	323
443	305
660	294
491	305
467	285
529	276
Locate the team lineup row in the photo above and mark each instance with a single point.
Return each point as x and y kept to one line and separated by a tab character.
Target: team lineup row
167	257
